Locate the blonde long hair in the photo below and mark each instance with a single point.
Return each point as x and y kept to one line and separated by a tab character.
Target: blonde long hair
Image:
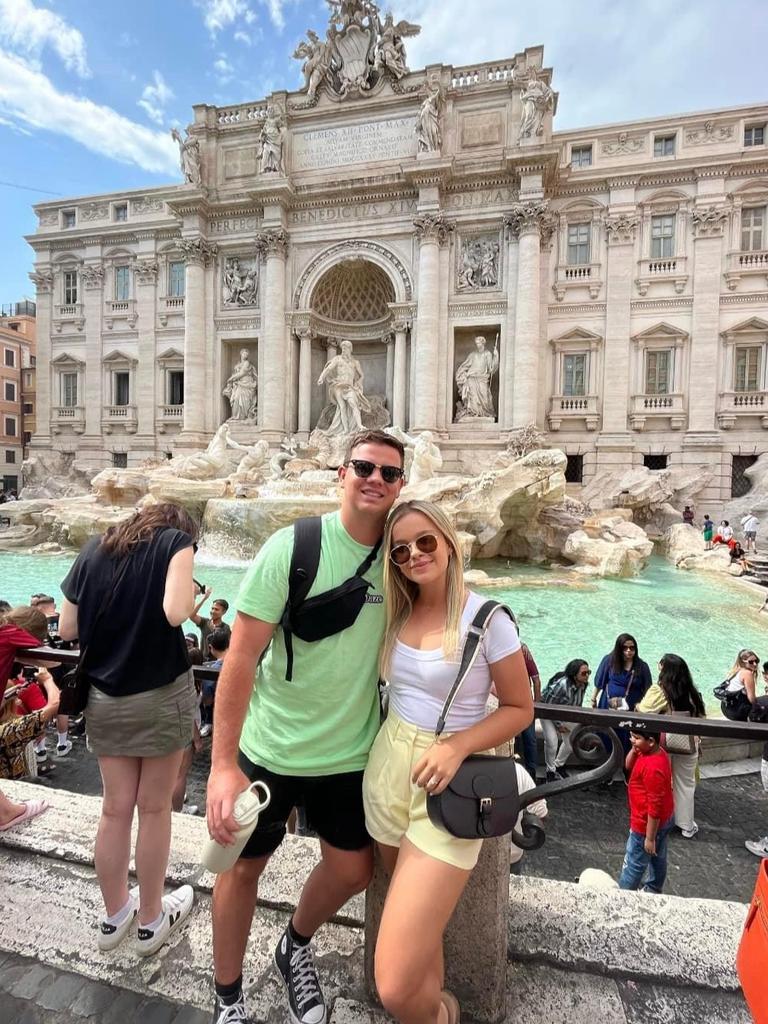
400	592
742	657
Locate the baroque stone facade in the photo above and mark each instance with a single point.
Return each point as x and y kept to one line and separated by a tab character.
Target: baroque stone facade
618	275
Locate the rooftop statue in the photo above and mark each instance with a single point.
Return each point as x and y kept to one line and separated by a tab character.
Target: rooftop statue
271	142
537	99
390	50
428	132
189	157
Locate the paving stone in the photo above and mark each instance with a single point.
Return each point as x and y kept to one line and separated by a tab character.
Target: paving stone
12	972
665	1003
62	993
189	1015
93	1000
155	1011
34	980
124	1009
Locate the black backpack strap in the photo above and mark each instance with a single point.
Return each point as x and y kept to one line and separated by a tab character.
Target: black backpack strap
307	537
475	633
370	558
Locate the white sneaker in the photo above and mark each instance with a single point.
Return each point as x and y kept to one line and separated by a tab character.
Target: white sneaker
176	908
111	935
689	833
759	848
190	809
206	730
41	756
62	749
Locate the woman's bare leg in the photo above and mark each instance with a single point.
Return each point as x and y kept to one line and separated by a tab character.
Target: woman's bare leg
9	810
120	779
156	781
180	788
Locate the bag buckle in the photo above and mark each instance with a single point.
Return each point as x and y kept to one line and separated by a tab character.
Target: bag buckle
476	630
486	803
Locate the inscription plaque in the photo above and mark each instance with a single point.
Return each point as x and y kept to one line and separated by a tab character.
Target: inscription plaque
392	139
481	129
240	163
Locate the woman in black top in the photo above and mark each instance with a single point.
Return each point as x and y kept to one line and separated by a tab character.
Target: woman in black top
126	596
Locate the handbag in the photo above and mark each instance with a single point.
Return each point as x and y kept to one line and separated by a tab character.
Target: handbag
728	697
752	956
679	742
75	686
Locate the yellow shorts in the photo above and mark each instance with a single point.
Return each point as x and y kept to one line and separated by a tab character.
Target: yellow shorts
396	807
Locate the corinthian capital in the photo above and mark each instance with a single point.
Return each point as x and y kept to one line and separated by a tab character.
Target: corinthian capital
708	221
621	228
146	271
433	227
528	217
197	250
272	243
42	280
92	275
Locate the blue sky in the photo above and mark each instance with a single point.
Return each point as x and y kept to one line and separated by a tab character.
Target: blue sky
89	91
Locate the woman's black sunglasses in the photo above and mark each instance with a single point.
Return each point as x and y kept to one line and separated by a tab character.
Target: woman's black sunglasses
363	468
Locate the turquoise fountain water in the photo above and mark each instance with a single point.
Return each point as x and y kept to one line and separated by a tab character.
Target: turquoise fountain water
702	618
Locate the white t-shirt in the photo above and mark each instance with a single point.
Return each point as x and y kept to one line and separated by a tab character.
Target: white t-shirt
750	524
726	532
538	807
421	680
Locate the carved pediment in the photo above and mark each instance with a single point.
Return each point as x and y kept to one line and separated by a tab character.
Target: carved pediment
576	338
660	330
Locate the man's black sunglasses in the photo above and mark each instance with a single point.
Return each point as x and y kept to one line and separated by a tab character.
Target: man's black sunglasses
389	474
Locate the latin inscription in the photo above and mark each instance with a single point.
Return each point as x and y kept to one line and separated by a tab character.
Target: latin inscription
355	211
354	144
476	200
233	225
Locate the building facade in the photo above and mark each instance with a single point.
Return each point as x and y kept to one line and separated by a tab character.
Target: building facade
17	389
619	273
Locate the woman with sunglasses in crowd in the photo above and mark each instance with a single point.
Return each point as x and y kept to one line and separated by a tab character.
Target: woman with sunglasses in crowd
742	687
428	615
621	680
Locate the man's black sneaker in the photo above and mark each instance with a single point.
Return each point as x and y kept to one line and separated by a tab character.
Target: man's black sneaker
297	969
232	1014
552	777
562	773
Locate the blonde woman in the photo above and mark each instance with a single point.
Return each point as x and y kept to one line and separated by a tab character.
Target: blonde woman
428	613
742	687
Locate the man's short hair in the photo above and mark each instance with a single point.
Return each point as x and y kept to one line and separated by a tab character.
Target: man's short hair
219	640
38	599
224	604
374	437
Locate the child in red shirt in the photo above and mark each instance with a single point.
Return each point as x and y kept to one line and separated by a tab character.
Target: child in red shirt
651	813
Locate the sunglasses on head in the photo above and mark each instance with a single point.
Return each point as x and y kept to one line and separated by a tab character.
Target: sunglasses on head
363	468
426	544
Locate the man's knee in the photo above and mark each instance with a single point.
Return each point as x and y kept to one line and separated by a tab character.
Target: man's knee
242	877
353	868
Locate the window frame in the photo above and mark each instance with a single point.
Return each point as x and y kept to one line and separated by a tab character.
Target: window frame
759	369
751	211
70	291
9	384
579	162
181	280
12	353
170	374
120	213
564	385
662	141
573	250
653	356
661	238
117	376
757	127
122	276
64	387
68	219
7	418
10	456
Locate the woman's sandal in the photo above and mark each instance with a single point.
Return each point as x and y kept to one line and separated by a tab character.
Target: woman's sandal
31	810
451	1004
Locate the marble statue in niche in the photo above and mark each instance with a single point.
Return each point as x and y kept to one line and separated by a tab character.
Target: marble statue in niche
344	377
479	263
241	389
473	380
537	99
240	282
428	133
271	142
189	157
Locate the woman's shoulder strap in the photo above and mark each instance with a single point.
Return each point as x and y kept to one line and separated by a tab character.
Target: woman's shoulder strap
485	613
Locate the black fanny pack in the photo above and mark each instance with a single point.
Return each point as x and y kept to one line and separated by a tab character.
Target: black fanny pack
315	618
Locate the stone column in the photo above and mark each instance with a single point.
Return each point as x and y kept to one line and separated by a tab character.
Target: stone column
708	227
389	341
42	279
305	380
273	245
92	286
615	390
145	277
509	340
197	252
399	375
526	219
433	231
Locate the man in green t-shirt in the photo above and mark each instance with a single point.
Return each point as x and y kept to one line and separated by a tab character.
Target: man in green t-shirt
307	738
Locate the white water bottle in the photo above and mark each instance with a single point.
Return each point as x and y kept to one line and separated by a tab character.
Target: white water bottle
248	807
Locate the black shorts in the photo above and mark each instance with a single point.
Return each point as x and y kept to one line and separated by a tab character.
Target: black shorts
333	803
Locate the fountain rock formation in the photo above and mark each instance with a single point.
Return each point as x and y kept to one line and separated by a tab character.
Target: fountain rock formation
756	499
609	544
53	475
684	545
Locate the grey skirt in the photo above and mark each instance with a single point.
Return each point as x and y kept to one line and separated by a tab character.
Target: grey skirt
150	724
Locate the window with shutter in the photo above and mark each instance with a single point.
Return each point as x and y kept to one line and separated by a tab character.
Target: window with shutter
748	368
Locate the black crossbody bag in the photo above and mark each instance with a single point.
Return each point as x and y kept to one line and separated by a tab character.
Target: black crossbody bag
482	799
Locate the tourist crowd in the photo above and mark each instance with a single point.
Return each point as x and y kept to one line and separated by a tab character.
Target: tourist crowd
327	609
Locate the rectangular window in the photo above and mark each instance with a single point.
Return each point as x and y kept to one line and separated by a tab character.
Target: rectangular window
10	357
578	243
574	469
121	211
70	287
748	368
28	408
27	436
69	390
122	384
27	380
754	135
574	374
120	460
664	145
10	455
68	218
10	483
663	236
10	426
752	228
740	482
122	283
175	387
657	372
581	156
655	461
10	392
176	279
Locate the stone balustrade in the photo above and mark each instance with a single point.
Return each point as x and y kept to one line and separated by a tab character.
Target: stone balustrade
242	114
667	269
482	74
670	406
119	415
736	404
744	264
573	408
574	275
70	416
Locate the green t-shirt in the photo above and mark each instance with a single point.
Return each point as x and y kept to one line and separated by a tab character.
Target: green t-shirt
325	719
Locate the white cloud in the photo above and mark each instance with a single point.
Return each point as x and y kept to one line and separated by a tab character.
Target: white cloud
155	98
243	37
29	97
220	14
275	8
29	29
224	70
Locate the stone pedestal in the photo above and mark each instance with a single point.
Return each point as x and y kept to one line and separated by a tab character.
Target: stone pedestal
476	938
